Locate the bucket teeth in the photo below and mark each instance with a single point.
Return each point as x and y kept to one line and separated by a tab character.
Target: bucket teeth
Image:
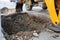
55	29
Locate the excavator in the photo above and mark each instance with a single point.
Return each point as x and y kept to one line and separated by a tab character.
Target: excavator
53	7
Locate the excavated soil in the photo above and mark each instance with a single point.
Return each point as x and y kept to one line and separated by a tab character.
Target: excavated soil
23	25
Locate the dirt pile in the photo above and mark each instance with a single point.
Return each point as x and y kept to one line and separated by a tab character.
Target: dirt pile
22	24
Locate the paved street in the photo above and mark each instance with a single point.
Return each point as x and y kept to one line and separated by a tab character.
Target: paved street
47	36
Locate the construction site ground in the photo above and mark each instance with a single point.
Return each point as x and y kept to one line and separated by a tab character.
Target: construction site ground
38	21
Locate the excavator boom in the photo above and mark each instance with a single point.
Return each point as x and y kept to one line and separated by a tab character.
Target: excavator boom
51	5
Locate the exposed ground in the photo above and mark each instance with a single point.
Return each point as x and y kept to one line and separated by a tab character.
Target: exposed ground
24	25
29	26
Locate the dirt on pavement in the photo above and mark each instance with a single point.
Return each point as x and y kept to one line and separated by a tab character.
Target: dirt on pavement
22	26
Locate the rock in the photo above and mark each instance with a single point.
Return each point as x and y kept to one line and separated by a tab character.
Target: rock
35	33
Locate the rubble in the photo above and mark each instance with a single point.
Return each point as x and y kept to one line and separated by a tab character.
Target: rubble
22	26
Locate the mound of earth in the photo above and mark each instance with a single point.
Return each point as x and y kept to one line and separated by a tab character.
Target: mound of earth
23	25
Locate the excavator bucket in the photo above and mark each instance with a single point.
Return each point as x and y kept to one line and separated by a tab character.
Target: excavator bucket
55	29
53	15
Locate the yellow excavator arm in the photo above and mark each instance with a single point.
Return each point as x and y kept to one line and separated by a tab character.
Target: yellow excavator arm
51	5
52	11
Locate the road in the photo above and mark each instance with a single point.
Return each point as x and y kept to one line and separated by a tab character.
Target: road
47	36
